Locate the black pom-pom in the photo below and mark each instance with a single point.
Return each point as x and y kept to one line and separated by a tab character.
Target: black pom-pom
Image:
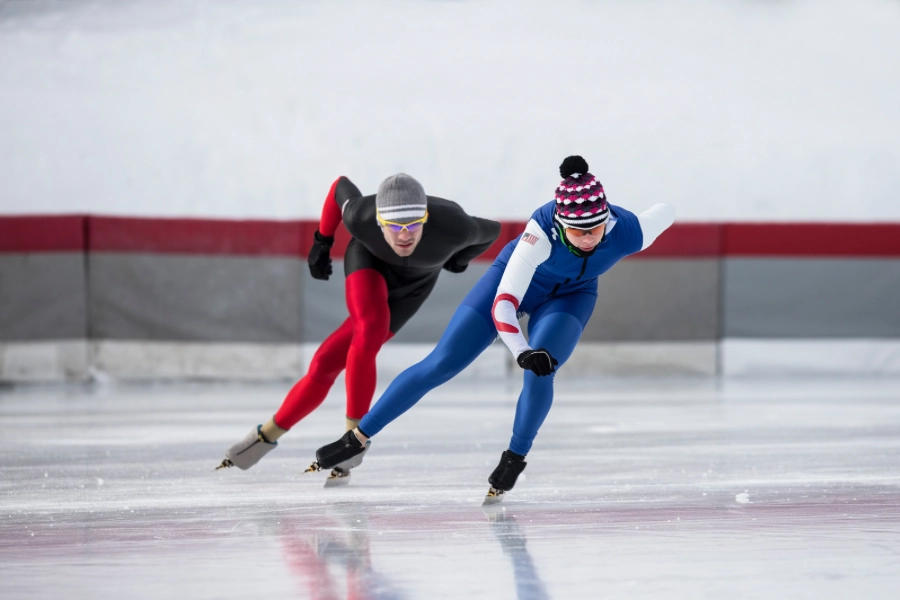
573	164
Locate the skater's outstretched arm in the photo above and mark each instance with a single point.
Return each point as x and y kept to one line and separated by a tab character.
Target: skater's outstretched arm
341	192
654	221
483	234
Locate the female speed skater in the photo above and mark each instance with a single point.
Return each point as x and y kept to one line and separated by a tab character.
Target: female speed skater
550	273
401	241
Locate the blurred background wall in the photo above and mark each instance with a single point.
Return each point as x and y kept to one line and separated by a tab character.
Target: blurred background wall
162	163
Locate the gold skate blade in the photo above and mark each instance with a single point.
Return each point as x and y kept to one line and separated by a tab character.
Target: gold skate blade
313	468
494	496
226	464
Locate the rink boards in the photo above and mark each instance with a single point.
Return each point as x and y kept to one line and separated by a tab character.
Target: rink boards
128	297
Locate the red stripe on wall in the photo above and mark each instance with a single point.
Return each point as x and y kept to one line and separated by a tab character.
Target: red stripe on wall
74	233
62	233
829	240
196	236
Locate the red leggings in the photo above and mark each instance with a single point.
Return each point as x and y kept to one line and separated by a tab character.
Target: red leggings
354	345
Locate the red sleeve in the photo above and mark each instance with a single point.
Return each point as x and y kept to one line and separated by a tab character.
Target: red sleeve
331	212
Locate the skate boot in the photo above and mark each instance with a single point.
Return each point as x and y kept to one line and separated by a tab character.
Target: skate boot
340	474
248	451
504	476
331	455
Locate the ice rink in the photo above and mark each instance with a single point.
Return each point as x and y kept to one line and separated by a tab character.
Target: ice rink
634	489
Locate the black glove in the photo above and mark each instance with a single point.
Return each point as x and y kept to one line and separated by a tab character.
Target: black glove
320	257
538	362
452	266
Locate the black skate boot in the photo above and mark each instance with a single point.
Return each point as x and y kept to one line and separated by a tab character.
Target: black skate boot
504	476
340	474
333	454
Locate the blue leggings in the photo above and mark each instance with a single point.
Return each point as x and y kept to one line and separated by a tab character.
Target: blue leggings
555	324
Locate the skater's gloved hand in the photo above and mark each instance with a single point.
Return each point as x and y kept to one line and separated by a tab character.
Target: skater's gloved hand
320	256
454	267
539	362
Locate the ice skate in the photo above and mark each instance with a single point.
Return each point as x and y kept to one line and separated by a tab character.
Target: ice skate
248	451
340	474
504	476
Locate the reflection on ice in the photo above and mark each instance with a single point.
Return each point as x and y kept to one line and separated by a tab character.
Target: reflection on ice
336	557
515	546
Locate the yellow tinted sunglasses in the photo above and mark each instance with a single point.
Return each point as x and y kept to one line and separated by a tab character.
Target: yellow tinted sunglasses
398	227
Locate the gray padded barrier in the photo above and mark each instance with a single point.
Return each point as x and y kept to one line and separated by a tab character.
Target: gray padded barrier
42	297
657	300
195	298
782	298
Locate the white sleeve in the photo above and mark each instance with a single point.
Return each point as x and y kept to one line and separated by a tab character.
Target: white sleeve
533	248
654	221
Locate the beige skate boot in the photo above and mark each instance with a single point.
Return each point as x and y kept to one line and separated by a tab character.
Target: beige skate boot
250	450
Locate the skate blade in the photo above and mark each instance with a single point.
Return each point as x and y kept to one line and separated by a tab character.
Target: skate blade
337	481
226	464
313	468
493	496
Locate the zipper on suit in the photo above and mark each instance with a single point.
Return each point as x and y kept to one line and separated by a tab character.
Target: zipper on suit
583	267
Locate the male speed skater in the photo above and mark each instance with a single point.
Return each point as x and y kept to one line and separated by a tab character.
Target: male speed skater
402	238
550	273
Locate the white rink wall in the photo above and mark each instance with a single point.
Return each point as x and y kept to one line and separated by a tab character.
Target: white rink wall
740	110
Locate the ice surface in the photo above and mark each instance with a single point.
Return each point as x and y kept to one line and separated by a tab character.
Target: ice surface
632	490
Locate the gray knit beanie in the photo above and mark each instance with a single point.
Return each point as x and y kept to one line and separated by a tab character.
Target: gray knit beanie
401	199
